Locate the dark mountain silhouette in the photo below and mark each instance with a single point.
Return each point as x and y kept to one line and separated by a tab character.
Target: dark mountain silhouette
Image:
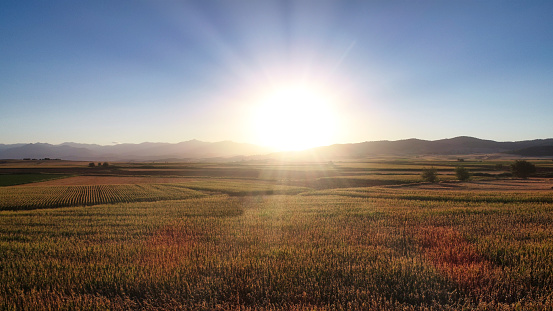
195	149
5	147
451	146
40	150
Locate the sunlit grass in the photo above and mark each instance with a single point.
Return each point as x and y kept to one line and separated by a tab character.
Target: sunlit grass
325	252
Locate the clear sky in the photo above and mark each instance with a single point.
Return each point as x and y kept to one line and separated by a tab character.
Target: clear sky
107	71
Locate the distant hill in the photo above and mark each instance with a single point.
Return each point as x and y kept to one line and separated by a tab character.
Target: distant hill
451	146
40	150
198	150
193	149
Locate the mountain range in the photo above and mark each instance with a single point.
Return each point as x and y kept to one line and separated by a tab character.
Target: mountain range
193	149
199	150
461	145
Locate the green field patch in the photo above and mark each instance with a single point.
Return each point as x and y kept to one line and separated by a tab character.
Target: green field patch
243	188
19	179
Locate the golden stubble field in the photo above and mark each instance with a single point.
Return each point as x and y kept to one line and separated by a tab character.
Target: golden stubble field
242	244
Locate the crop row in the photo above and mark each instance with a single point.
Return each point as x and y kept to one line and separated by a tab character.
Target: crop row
443	196
16	198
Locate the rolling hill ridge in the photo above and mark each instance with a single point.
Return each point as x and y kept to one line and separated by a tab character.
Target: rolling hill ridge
199	150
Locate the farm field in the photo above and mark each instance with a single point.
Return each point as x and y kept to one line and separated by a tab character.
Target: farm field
112	239
17	179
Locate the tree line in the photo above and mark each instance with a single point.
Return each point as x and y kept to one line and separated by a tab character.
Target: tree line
520	169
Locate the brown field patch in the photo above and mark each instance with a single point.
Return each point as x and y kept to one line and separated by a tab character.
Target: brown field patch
168	247
459	260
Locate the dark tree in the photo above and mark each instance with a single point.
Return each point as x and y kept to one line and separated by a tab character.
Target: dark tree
522	168
462	173
91	164
105	164
429	174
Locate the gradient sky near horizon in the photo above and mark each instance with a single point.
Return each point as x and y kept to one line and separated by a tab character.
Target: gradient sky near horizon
169	71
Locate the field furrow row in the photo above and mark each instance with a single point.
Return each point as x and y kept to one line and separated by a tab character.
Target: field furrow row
17	198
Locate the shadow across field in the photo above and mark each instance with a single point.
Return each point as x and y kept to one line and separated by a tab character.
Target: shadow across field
343	182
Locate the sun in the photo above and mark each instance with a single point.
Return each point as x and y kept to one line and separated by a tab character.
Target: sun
295	117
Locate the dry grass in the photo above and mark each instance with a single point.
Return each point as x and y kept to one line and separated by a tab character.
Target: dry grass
481	245
278	252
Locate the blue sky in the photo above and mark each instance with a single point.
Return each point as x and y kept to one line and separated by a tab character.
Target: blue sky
170	71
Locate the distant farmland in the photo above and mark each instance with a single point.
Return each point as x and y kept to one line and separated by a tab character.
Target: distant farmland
295	237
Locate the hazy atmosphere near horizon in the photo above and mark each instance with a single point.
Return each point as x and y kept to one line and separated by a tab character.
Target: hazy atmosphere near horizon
285	74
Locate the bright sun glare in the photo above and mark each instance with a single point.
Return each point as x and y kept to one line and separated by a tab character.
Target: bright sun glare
295	117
